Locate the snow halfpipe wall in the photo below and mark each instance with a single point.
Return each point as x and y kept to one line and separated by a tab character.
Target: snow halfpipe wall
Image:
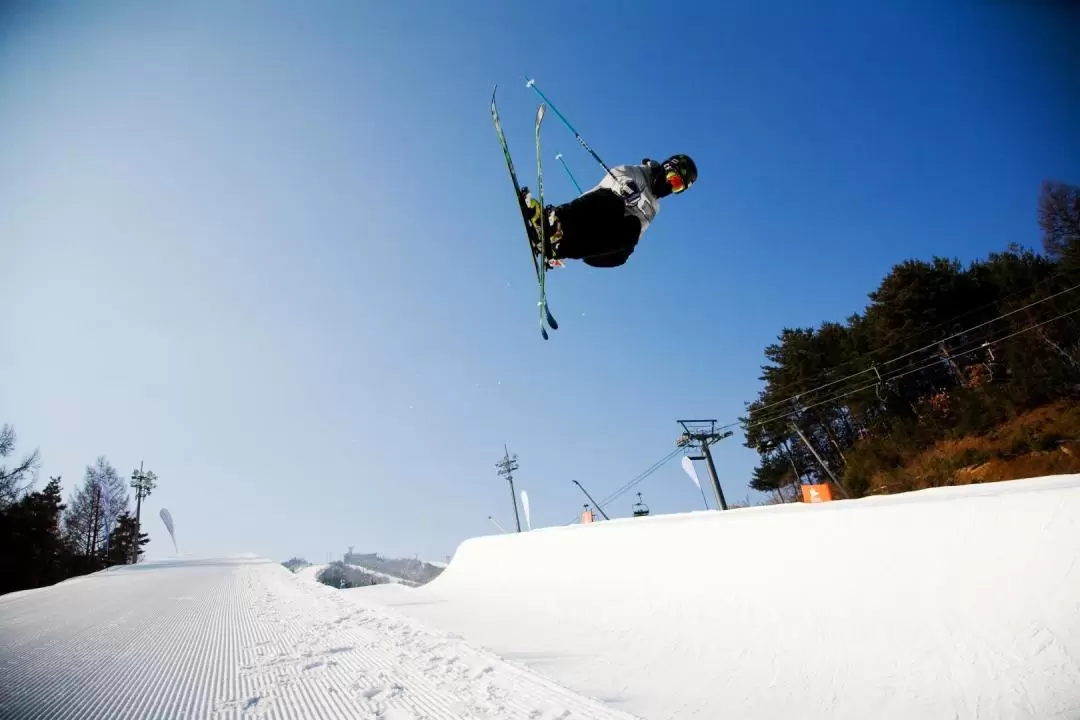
947	603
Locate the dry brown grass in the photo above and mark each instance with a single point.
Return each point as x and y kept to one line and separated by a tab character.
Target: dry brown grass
1044	441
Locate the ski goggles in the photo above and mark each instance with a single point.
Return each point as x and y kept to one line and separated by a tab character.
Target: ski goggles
676	182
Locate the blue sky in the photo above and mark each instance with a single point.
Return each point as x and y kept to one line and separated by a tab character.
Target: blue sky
271	248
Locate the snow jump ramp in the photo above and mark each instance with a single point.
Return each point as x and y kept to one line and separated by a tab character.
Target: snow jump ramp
950	603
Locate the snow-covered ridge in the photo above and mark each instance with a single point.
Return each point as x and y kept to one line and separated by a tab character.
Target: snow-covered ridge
384	576
959	602
415	573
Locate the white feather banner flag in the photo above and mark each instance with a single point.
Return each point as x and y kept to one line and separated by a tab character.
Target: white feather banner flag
166	518
688	466
525	506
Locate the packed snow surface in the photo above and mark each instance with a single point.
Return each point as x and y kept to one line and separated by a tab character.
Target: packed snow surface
244	637
947	603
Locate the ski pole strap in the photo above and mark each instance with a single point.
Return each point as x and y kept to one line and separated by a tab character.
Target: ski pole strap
559	157
532	83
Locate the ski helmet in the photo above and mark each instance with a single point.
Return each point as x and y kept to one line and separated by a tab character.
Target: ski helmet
680	172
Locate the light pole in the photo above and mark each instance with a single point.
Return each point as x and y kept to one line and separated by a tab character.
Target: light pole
507	466
143	482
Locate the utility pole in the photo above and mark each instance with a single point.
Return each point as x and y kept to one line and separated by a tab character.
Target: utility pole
507	466
598	508
143	482
824	465
702	434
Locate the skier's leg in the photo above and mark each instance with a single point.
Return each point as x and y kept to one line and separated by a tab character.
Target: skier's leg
589	224
626	234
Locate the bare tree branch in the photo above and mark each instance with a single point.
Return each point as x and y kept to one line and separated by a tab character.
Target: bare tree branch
17	480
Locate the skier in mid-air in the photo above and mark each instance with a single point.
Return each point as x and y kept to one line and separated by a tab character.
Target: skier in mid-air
602	226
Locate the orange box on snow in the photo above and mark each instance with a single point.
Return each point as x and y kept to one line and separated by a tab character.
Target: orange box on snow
816	493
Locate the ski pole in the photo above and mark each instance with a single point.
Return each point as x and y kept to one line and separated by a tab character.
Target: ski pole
532	83
559	157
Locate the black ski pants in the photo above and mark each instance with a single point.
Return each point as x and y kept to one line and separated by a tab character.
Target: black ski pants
597	229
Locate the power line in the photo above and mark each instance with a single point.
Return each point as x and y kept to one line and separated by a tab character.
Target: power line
913	352
886	379
640	477
918	368
918	333
889	377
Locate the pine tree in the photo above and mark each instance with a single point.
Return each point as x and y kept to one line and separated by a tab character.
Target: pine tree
940	350
45	544
123	539
32	553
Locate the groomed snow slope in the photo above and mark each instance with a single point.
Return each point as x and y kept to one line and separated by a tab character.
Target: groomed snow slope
243	637
947	603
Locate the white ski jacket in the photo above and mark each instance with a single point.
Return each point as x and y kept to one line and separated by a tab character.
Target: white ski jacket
631	182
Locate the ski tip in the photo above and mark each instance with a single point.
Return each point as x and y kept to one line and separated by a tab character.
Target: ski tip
543	333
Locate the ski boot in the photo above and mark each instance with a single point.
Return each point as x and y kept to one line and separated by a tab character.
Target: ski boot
552	228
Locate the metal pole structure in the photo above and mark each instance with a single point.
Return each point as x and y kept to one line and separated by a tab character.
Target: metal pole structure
715	480
507	466
814	452
143	482
137	484
704	435
513	499
598	508
108	536
794	469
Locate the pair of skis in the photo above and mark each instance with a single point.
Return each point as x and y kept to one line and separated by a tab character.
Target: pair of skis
537	245
541	243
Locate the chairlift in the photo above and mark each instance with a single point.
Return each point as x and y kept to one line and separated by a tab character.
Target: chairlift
878	386
640	508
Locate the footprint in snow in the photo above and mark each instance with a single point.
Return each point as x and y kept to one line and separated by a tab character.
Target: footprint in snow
396	714
391	692
336	650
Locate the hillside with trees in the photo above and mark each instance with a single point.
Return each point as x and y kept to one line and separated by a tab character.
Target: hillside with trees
952	374
339	575
44	540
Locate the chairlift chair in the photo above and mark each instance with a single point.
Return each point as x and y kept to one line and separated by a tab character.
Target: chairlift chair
640	508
